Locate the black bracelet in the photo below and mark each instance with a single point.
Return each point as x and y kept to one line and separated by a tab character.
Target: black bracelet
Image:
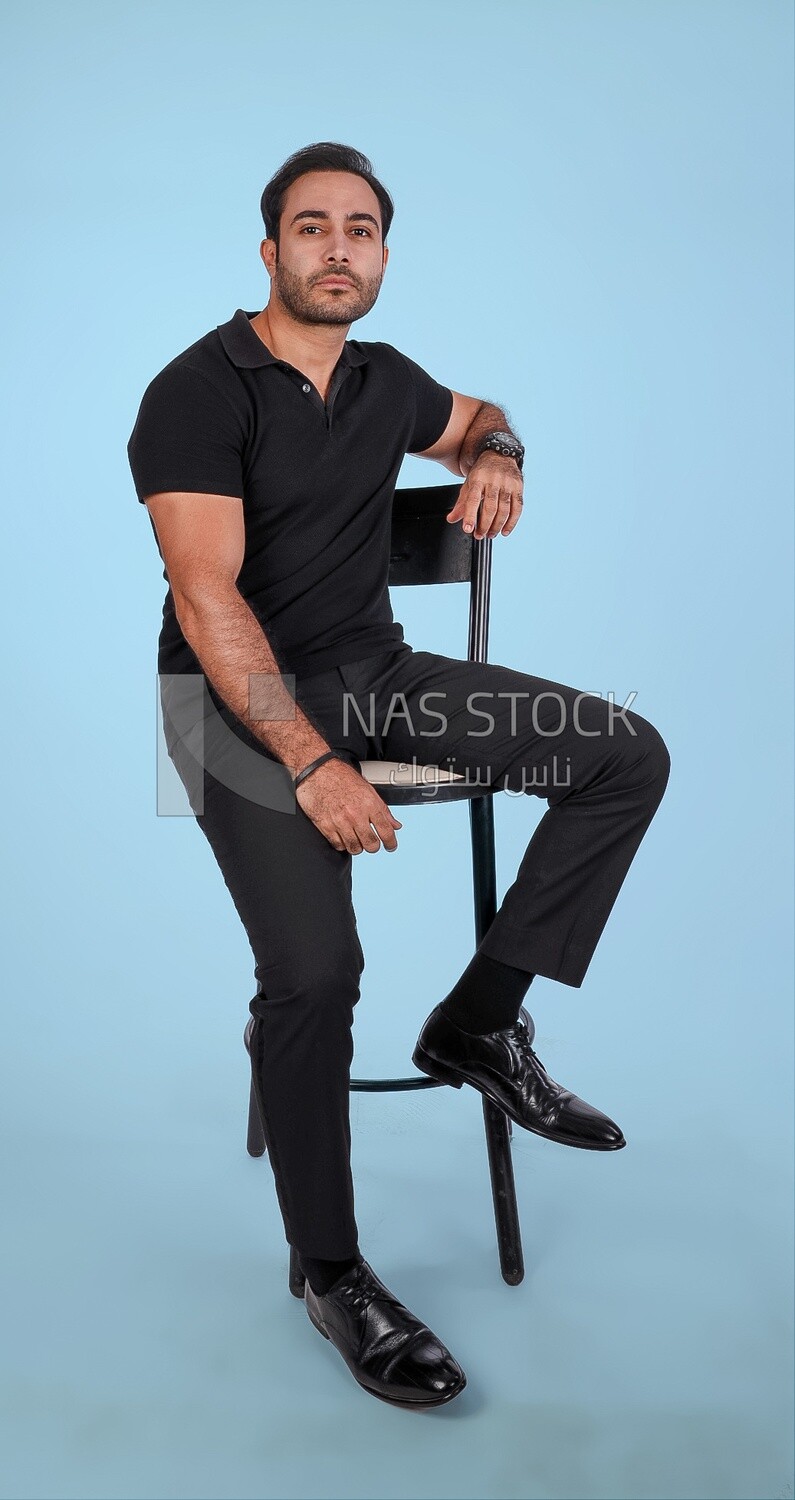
307	771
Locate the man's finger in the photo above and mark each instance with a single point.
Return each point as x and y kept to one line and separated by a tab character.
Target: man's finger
502	513
344	838
471	505
386	833
369	840
458	509
488	509
516	511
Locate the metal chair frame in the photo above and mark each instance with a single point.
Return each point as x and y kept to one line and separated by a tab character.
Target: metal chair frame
425	550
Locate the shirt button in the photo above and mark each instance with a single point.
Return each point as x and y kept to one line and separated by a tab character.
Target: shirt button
306	389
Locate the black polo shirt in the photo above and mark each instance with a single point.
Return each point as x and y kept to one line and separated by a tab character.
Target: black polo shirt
316	479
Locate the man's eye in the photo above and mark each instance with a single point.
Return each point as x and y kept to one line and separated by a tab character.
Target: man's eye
358	229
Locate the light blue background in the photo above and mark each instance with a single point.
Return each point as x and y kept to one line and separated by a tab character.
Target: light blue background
593	228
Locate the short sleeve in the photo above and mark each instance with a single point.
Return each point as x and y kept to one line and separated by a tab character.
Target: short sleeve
433	405
187	436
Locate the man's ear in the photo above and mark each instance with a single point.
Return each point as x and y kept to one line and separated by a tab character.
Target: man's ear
386	258
267	250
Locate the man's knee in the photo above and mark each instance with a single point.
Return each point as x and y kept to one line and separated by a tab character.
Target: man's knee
334	977
648	753
321	979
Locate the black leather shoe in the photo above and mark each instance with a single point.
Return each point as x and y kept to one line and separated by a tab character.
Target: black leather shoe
503	1066
387	1350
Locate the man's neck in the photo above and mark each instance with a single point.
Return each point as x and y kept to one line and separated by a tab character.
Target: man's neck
314	349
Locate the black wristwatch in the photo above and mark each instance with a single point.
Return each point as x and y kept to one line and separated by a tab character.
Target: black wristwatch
504	443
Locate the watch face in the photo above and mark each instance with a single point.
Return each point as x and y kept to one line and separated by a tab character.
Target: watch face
506	444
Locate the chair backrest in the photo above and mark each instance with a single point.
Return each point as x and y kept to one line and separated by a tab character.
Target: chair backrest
425	549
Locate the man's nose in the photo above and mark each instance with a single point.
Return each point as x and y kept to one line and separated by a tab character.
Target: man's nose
337	246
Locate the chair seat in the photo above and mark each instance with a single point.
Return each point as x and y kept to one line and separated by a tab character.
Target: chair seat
401	782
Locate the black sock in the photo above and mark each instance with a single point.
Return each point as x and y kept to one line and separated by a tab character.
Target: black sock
487	997
322	1274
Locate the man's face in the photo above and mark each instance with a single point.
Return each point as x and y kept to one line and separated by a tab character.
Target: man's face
330	226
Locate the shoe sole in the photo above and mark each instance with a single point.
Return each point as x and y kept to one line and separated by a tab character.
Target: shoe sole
380	1396
445	1074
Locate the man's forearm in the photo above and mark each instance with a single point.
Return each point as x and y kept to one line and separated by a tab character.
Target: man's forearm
234	653
487	419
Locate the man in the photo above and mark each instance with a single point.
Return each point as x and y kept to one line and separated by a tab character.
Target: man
267	454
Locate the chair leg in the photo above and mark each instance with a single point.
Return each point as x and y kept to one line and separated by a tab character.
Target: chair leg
255	1141
255	1144
255	1138
297	1280
497	1123
503	1190
484	863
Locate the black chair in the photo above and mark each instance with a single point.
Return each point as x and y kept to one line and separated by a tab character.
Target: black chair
425	549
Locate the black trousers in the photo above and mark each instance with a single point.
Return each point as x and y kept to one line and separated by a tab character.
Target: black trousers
601	769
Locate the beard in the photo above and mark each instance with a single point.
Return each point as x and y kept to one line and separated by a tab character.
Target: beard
308	303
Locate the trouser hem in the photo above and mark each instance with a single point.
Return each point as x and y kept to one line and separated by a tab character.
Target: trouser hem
509	944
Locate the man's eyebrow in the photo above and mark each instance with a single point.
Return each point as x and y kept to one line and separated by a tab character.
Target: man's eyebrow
320	213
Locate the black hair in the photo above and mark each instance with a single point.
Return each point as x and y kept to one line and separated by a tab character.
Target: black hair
323	156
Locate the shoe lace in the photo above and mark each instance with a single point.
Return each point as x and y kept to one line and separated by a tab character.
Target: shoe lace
521	1037
358	1294
553	1095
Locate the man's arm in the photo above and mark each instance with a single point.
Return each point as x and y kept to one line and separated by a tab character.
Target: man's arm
491	500
202	539
202	542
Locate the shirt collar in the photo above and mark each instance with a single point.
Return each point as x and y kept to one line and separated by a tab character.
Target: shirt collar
246	349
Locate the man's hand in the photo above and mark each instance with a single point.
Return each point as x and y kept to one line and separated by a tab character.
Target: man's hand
490	500
343	805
